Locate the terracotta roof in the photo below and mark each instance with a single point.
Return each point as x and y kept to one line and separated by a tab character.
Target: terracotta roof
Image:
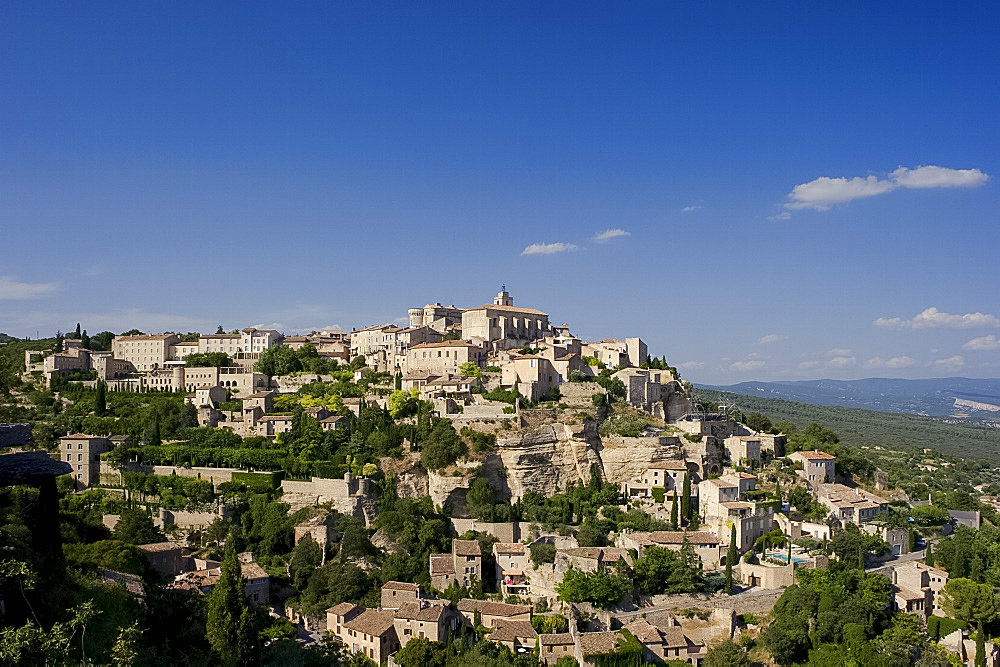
490	608
342	609
466	548
401	586
509	548
908	594
418	612
157	547
593	643
644	632
556	639
816	455
373	622
442	564
508	631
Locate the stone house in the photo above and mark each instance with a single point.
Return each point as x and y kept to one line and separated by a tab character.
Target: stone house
898	539
370	632
667	475
83	453
519	636
851	505
164	557
424	618
552	647
445	357
145	352
708	546
660	644
917	588
642	388
512	568
724	505
258	583
591	559
503	325
397	593
743	450
817	467
531	375
462	565
271	425
434	315
492	613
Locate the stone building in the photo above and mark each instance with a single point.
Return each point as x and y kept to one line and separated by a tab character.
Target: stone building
145	352
817	467
666	475
512	570
370	632
83	453
462	565
397	593
490	613
444	357
434	315
430	619
743	450
503	325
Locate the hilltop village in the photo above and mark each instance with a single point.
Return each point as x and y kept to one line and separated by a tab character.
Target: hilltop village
478	485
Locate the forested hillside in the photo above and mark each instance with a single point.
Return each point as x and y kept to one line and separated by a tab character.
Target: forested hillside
858	428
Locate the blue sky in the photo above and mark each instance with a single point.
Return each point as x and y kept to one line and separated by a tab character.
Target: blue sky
793	191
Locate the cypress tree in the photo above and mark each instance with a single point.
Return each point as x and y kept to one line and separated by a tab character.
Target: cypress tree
78	331
731	557
929	556
686	498
777	490
673	512
231	625
980	648
101	399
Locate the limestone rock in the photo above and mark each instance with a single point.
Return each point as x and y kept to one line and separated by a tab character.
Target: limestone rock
547	458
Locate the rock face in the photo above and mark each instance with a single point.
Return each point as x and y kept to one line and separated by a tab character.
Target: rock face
676	401
625	458
547	458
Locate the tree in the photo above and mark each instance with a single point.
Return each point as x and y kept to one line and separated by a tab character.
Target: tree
208	360
278	360
101	399
85	340
591	534
77	333
686	498
731	557
726	654
800	498
673	512
421	652
230	619
136	527
470	370
442	447
968	601
306	557
759	422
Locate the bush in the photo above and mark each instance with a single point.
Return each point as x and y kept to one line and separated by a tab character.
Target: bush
624	425
542	553
504	395
938	626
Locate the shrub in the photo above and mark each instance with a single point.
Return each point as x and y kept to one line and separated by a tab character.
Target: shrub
542	553
504	395
624	425
659	493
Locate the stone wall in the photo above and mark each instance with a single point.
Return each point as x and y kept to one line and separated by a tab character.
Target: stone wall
350	496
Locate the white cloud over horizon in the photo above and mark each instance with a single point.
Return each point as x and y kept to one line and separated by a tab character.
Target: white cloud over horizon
693	207
821	193
547	248
771	338
842	362
689	365
839	352
990	342
608	234
933	318
951	363
11	289
894	362
751	365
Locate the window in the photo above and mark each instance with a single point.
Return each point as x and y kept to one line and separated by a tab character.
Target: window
79	467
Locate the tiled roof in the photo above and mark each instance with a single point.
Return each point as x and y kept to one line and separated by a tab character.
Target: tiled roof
417	612
373	622
342	609
678	464
593	643
442	564
556	639
157	547
677	537
490	608
444	343
514	548
508	631
466	548
816	455
511	309
401	586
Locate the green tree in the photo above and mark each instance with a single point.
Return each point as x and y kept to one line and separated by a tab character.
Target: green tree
442	446
85	340
968	601
673	512
208	360
422	652
686	509
470	370
306	557
101	399
230	618
278	360
759	422
731	557
136	527
726	654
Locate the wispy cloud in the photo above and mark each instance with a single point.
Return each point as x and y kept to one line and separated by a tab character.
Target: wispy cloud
693	207
784	215
990	342
951	363
608	234
771	338
15	289
547	248
839	352
842	362
747	365
895	362
689	365
823	192
933	318
806	365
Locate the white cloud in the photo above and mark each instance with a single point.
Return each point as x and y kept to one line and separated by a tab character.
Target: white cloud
277	326
839	352
688	365
823	192
693	207
785	215
938	177
608	234
932	317
895	362
771	338
547	248
842	362
806	365
13	289
747	365
951	363
990	342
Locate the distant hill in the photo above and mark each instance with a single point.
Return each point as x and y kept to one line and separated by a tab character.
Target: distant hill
959	399
857	427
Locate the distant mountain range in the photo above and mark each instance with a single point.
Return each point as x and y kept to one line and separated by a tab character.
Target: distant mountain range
962	400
